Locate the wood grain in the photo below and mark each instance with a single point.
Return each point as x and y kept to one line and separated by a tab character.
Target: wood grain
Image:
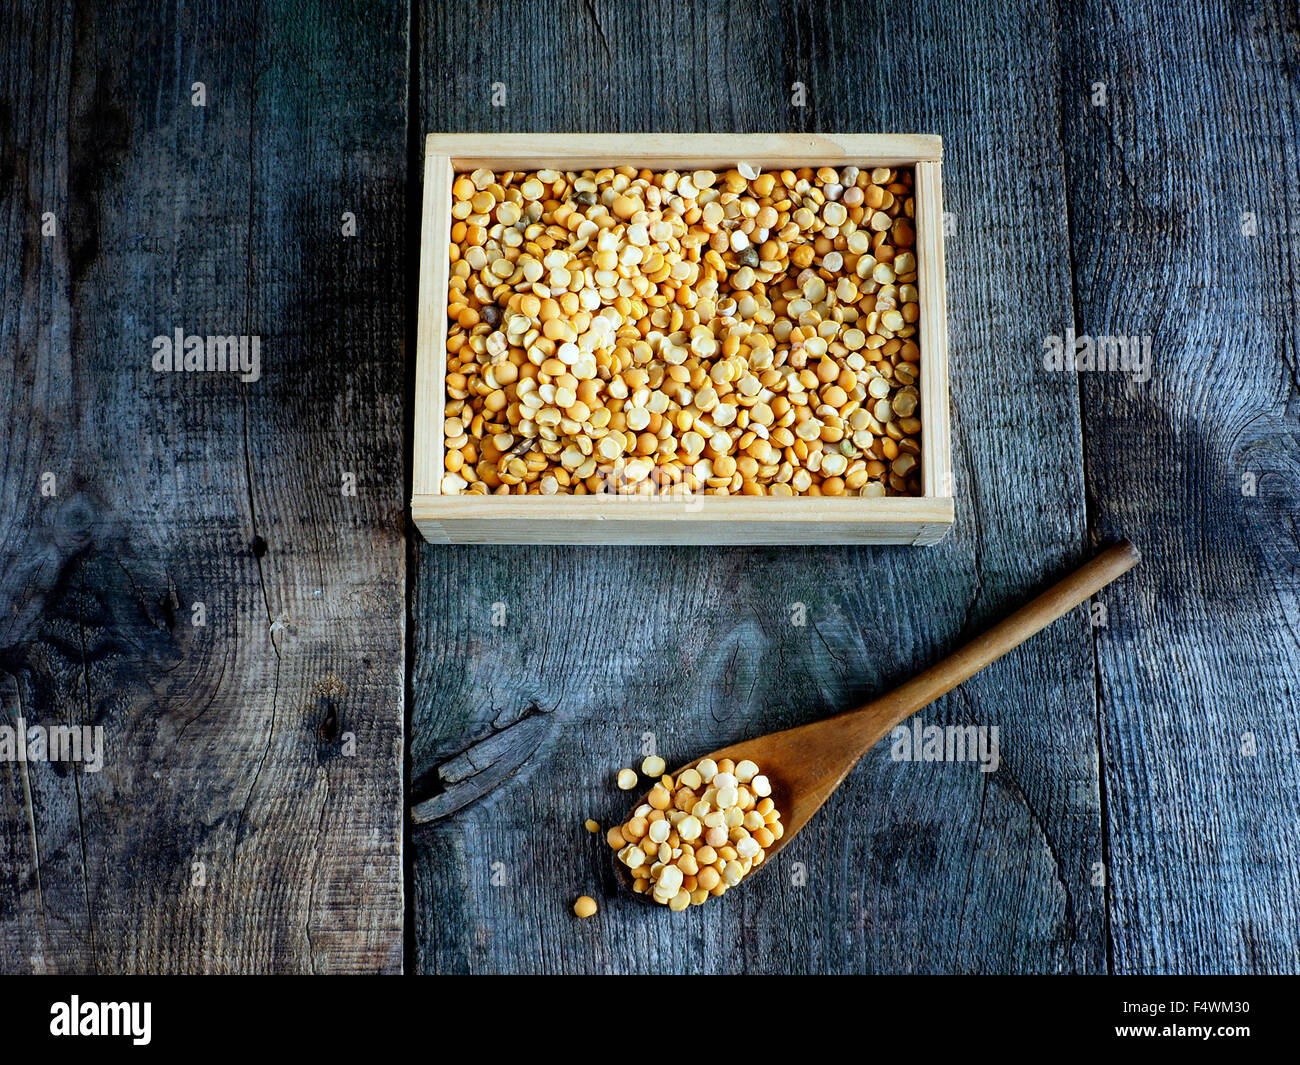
1183	186
911	866
229	829
1163	211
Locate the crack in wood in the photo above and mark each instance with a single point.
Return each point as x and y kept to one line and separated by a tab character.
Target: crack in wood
482	767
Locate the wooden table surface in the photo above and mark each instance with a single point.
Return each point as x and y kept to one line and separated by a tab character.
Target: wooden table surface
224	577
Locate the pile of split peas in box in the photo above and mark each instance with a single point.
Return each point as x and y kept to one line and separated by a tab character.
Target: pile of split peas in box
629	330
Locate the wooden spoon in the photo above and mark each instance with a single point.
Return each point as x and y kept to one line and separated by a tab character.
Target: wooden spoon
805	764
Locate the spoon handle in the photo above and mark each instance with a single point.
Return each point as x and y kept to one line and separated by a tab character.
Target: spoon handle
905	700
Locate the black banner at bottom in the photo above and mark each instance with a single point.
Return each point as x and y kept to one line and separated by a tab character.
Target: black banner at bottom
338	1014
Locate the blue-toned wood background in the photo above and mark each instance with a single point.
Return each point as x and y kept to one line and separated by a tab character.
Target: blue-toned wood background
1117	169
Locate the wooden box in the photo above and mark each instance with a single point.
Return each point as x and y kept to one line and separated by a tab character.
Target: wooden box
699	519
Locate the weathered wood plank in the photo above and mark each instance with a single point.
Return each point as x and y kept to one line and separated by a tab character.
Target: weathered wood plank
911	867
1183	185
40	855
227	743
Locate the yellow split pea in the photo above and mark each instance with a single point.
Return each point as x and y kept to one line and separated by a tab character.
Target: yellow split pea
729	333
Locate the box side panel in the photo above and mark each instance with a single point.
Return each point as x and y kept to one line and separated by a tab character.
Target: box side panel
431	327
704	520
668	533
936	456
682	150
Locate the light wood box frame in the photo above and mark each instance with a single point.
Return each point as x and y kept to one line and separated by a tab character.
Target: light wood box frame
701	519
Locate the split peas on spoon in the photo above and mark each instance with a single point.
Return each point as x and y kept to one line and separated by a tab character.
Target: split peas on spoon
700	833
